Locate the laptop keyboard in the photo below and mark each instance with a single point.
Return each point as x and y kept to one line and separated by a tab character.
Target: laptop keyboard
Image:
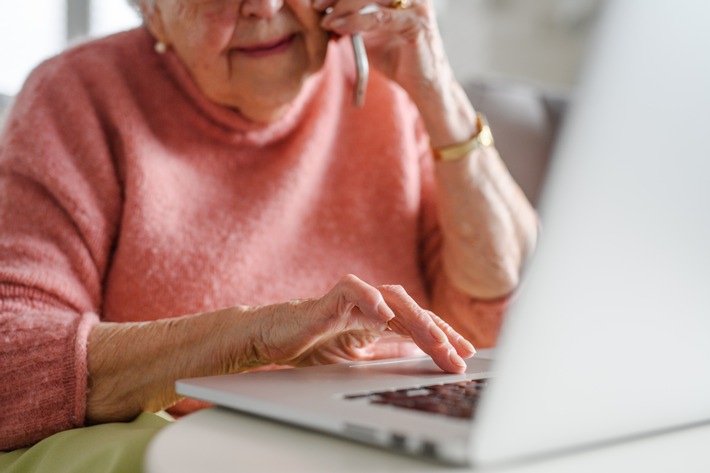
457	399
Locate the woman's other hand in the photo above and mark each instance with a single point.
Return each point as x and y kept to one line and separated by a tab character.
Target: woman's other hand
403	43
406	46
346	323
489	226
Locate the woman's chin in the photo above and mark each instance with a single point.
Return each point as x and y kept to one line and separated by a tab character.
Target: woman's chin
264	115
263	106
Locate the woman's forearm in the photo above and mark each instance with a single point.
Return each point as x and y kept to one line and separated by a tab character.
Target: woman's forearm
489	227
488	224
133	366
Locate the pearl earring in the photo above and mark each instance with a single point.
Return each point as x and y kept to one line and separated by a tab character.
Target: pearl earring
160	47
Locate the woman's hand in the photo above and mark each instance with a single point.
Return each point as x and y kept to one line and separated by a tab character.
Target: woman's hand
405	45
489	226
346	323
133	366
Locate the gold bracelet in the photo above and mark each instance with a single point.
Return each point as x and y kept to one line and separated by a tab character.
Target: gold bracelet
483	138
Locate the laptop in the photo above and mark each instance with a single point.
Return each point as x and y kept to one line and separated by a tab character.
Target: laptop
609	336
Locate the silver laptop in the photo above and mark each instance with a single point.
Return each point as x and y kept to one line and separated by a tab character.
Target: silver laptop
609	338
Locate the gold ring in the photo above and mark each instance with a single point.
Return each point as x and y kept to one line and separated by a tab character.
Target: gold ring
401	4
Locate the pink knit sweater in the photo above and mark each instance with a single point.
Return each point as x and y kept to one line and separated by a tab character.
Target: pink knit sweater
126	196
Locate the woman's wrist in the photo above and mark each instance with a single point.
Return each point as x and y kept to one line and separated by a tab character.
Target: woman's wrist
447	112
482	138
239	344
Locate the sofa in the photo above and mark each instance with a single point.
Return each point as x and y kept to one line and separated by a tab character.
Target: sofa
525	121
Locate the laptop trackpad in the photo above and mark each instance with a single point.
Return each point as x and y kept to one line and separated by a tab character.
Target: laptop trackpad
423	367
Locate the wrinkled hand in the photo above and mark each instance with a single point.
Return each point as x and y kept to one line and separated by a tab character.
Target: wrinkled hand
406	46
403	44
346	323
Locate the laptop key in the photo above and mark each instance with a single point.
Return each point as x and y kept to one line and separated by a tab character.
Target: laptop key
457	399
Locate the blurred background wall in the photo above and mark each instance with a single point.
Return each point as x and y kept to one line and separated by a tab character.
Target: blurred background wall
539	42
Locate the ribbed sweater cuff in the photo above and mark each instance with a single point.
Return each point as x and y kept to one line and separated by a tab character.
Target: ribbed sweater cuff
43	384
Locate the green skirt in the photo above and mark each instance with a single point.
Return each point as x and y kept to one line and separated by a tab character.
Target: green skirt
105	448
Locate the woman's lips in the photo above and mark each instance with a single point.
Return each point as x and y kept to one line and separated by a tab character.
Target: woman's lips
267	49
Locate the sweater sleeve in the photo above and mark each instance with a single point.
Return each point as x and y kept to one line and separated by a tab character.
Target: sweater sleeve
59	208
478	320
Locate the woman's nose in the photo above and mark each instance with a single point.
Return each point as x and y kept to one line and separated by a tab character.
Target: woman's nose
261	8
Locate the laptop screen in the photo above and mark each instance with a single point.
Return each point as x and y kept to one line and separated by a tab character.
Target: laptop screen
613	316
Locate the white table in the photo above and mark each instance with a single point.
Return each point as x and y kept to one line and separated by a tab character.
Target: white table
218	440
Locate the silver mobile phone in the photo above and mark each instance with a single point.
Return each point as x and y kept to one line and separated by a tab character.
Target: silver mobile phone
362	65
362	70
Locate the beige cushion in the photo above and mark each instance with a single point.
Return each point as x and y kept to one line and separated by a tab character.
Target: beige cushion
524	122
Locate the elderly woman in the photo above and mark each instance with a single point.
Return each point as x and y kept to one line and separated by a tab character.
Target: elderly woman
199	196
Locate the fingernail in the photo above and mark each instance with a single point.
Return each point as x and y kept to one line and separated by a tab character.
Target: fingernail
384	311
367	9
337	23
466	344
456	359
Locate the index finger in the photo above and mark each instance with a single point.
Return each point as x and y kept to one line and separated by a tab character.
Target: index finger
431	334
